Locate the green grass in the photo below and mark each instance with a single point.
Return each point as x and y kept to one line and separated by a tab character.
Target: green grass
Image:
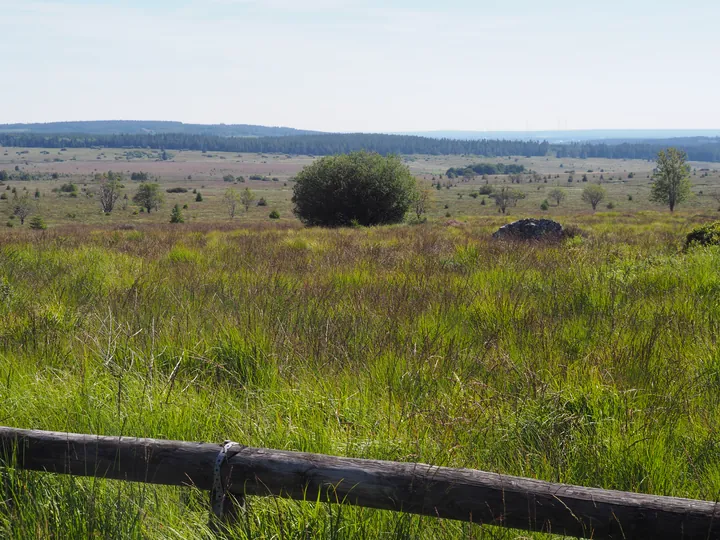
592	362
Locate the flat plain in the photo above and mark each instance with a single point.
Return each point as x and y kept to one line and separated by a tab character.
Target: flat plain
591	361
627	183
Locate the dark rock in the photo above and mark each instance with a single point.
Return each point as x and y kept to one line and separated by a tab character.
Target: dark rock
530	229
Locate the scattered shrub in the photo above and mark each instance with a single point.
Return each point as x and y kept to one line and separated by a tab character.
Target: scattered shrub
545	205
706	235
176	215
37	223
274	215
176	190
262	202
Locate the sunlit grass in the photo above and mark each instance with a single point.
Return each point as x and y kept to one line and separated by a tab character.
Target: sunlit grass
593	361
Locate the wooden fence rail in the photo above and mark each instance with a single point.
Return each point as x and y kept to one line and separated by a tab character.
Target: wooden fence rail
460	494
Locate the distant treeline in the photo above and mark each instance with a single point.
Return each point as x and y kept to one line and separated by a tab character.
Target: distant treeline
485	168
698	149
326	144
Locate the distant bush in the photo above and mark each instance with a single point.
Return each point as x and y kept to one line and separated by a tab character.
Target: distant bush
256	177
262	202
139	176
176	215
706	235
37	223
274	215
177	190
483	169
545	205
485	190
68	188
228	178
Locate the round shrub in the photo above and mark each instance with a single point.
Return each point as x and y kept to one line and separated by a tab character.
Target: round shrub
706	235
361	187
274	215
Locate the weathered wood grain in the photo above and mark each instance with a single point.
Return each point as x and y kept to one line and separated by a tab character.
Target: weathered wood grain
461	494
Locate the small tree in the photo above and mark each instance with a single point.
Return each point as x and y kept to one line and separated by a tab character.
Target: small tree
110	193
231	199
176	215
558	195
593	195
22	208
198	197
246	198
672	178
38	223
148	196
420	201
506	196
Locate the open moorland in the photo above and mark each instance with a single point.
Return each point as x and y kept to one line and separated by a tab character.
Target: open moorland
270	176
592	360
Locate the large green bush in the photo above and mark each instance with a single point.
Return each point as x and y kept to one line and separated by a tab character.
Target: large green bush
361	187
706	235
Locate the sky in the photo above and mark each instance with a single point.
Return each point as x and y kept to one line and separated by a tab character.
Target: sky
350	65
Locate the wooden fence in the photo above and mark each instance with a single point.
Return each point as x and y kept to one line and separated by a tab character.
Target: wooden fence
460	494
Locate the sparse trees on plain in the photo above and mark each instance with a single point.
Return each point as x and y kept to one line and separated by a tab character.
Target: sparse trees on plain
558	195
671	184
505	197
231	198
23	207
420	201
148	196
247	197
593	195
110	192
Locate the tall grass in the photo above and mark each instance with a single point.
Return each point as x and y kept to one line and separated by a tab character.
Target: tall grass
594	362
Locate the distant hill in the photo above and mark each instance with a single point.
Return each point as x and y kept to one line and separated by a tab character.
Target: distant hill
610	136
151	127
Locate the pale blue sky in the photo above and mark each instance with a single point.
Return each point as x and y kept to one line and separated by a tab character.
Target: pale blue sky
350	65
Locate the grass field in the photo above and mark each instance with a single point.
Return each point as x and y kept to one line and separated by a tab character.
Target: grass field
205	172
592	361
